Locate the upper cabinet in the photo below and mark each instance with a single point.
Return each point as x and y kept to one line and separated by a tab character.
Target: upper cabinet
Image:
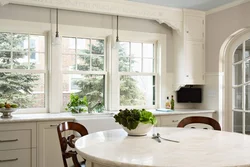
189	50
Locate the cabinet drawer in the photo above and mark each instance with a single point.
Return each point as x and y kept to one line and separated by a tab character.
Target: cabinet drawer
14	158
15	139
173	120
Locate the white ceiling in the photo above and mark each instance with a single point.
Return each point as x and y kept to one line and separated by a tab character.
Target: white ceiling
203	5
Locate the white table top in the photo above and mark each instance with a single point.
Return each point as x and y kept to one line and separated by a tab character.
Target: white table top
197	147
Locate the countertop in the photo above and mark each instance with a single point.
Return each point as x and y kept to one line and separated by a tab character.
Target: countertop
37	117
68	116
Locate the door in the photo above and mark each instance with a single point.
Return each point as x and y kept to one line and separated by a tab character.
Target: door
48	151
241	88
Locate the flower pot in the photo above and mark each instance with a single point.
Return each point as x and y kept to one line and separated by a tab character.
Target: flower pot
141	130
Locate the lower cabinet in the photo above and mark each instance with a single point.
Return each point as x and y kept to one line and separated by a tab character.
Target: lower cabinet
172	120
48	146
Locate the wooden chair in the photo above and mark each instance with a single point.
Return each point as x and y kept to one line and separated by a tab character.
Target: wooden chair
199	119
65	142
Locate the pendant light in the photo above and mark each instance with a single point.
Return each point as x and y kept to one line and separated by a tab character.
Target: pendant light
117	26
116	43
57	40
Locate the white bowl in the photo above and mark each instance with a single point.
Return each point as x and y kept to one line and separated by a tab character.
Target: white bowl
141	130
7	112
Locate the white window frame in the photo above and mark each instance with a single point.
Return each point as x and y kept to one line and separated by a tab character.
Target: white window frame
75	72
142	73
45	71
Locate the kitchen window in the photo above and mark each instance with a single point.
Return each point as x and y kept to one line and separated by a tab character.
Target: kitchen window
23	74
83	64
137	74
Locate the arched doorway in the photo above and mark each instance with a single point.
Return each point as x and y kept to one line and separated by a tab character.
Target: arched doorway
234	103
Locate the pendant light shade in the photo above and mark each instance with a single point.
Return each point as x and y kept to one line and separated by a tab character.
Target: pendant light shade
57	40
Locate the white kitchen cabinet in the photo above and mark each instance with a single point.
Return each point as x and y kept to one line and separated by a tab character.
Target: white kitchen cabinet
18	145
174	119
189	50
48	145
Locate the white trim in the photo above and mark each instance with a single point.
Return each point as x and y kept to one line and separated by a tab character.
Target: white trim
226	6
173	17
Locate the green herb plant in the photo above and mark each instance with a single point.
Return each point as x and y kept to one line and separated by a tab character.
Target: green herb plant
76	104
131	118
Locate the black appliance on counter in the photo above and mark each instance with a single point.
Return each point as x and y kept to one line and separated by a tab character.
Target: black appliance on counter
189	95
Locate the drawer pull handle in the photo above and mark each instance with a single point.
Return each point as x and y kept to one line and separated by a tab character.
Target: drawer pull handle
175	120
8	160
53	125
4	141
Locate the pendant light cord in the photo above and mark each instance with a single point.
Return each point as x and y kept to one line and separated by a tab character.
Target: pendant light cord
57	33
117	26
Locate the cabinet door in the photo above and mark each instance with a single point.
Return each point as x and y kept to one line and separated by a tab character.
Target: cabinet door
194	28
49	151
194	63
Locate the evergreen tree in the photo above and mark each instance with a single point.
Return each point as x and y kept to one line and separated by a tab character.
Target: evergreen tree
92	86
15	87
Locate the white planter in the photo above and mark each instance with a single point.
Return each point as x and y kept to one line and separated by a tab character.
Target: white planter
140	130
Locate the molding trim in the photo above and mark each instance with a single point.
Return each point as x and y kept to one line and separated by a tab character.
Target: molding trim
227	6
173	17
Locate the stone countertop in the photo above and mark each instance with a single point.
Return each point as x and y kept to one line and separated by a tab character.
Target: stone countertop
37	117
68	116
181	111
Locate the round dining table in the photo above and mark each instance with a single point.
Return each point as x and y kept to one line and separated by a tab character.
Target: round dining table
182	147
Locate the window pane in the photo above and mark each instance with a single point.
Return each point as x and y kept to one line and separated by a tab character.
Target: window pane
20	42
5	41
124	64
148	50
137	90
97	46
123	49
238	74
68	62
247	123
68	45
83	62
238	53
97	63
38	92
91	86
23	89
238	122
37	61
148	65
247	51
135	65
238	98
248	98
20	60
247	70
83	46
136	49
37	43
5	60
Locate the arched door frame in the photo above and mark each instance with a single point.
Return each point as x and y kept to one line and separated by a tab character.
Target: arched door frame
225	62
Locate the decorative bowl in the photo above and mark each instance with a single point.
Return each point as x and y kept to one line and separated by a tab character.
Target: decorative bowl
141	130
7	112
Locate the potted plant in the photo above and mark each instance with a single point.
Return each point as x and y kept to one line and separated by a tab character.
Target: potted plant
77	104
136	121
